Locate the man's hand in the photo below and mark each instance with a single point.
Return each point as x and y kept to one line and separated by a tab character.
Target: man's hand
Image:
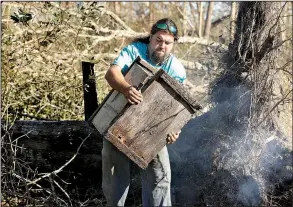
172	137
132	95
117	81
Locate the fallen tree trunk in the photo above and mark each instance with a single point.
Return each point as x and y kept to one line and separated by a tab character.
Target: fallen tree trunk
48	149
46	146
50	144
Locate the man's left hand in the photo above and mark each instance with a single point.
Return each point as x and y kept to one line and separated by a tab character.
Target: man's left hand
172	137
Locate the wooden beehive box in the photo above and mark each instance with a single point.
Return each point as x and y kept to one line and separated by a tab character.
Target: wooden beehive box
115	102
140	131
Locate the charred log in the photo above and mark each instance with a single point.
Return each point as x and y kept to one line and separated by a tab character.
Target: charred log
46	146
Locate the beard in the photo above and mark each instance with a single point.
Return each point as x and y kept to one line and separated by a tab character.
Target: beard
158	56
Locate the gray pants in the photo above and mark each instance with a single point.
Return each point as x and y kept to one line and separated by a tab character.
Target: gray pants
156	179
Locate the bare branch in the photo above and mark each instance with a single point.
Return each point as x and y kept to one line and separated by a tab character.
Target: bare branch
61	168
116	18
200	41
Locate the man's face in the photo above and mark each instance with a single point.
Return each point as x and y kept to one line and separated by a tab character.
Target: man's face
160	46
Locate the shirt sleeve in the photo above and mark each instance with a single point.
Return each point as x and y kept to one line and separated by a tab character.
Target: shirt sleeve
182	77
125	58
178	71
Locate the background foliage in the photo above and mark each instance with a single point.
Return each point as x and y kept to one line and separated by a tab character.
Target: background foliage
41	60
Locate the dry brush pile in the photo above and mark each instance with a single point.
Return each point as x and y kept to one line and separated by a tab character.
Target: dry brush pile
41	60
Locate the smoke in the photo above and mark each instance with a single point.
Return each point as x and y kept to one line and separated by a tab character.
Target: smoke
276	163
248	192
217	161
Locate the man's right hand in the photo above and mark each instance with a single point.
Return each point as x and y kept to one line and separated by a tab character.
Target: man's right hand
117	81
132	95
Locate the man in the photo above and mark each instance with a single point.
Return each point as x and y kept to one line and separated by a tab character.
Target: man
156	179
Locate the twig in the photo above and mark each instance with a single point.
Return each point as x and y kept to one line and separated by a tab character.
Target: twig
273	108
116	18
27	180
63	191
200	41
183	15
61	168
29	116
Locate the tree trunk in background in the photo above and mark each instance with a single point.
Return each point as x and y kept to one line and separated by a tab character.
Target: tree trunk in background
5	14
130	11
200	16
168	6
89	89
289	13
208	21
254	52
291	9
232	20
184	30
193	18
261	13
288	22
117	7
152	13
283	22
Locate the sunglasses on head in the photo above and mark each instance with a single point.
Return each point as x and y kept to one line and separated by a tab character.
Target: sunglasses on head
164	26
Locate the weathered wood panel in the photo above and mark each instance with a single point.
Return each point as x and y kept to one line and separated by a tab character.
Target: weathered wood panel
141	130
109	111
115	101
180	90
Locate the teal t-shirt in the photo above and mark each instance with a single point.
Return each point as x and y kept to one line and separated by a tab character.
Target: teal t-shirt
129	53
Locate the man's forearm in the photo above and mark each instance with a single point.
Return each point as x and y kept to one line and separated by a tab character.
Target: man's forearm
116	79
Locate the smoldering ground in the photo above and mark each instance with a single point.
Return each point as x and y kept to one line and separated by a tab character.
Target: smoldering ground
217	161
235	154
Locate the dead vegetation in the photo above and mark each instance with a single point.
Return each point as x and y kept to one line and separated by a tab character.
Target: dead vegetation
41	79
41	60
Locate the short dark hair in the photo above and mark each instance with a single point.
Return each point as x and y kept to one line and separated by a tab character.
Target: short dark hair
170	25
